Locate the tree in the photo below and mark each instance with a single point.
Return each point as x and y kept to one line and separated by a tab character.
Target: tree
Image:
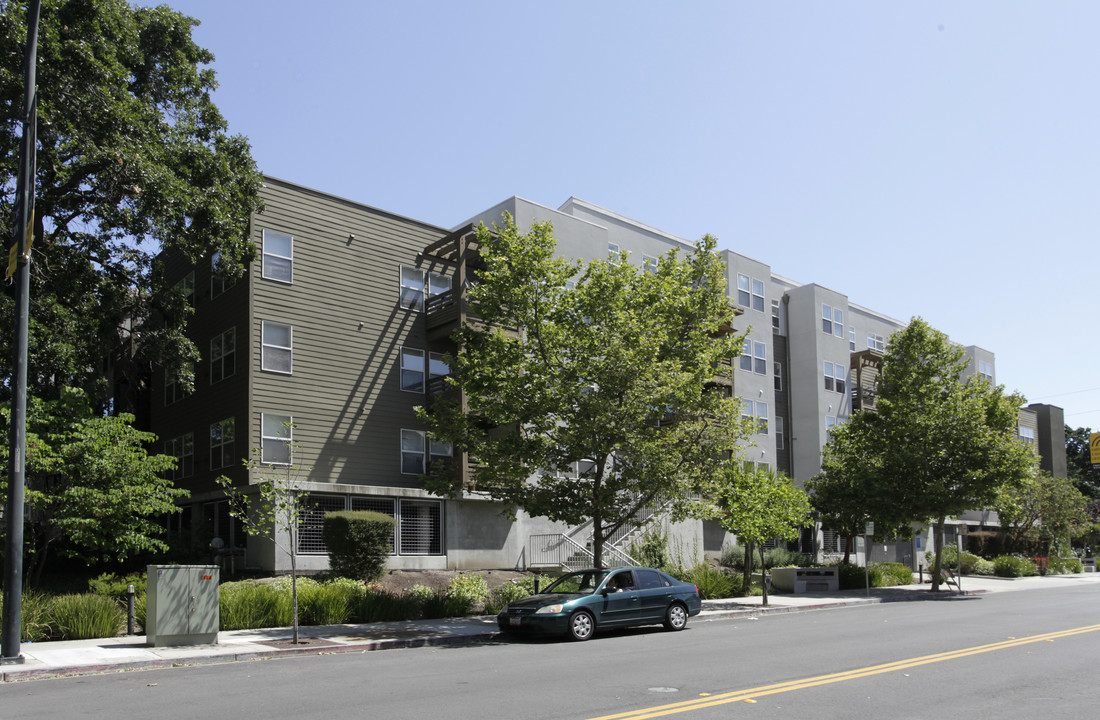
94	492
1046	510
275	502
938	445
588	387
133	158
757	505
1085	476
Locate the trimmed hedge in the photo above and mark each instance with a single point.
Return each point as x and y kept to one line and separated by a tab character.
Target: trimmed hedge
358	543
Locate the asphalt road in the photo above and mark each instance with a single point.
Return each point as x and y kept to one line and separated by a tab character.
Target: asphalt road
1006	655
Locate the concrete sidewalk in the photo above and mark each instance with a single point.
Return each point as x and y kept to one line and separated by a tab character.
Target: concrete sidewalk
78	657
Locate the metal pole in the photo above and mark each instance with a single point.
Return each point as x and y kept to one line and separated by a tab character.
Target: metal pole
13	557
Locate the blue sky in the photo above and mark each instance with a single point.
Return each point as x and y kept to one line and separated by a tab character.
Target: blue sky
939	159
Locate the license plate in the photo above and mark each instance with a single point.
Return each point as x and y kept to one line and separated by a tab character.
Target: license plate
515	621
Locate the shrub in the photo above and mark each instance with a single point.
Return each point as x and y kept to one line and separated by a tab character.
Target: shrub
85	617
247	605
464	593
890	574
509	591
983	567
733	557
1063	566
328	603
34	620
652	549
851	577
1014	566
378	605
358	543
713	583
116	586
782	557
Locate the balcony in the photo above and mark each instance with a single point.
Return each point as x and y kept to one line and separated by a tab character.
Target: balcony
866	364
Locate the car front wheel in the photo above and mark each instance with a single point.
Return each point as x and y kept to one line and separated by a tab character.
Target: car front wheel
677	617
581	625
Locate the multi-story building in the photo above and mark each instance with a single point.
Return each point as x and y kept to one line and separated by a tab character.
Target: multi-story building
337	332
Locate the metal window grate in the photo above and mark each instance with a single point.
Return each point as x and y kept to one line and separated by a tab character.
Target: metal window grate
386	506
421	527
312	514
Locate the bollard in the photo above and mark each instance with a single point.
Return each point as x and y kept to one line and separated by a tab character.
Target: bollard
920	573
129	609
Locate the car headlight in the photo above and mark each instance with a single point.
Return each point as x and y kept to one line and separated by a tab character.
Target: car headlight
549	609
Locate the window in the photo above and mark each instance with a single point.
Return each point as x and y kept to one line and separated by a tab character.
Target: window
757	295
613	252
412	452
830	422
744	290
182	448
219	282
223	355
649	264
760	358
415	281
437	370
1026	434
777	376
277	434
852	339
985	370
748	408
278	261
762	418
832	320
186	287
775	316
420	527
277	340
746	355
221	444
174	390
876	342
780	435
835	376
386	506
439	450
311	521
412	370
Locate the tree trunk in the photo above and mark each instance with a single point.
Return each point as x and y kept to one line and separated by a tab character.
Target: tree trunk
938	564
746	580
764	575
848	542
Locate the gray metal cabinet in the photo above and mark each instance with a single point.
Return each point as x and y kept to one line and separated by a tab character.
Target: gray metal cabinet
181	606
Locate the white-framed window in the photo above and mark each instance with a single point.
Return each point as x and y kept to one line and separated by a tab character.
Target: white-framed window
777	375
437	369
876	342
832	320
413	446
780	433
649	264
748	409
412	370
985	370
757	295
219	282
186	287
762	418
775	316
852	339
830	422
835	376
750	293
746	355
760	358
1026	434
223	355
182	448
221	444
278	259
418	527
311	521
614	253
416	282
174	390
439	450
277	354
276	438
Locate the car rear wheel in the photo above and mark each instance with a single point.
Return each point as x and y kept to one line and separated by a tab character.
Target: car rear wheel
677	617
581	625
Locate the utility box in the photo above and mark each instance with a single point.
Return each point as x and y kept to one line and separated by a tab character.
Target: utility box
181	605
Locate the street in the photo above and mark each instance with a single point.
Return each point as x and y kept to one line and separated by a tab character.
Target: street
1004	655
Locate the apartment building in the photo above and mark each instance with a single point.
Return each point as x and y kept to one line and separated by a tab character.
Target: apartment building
337	332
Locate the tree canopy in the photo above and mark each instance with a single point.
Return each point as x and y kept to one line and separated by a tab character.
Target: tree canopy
589	388
133	158
940	443
1085	476
1045	510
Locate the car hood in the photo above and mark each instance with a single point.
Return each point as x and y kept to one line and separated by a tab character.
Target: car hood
537	601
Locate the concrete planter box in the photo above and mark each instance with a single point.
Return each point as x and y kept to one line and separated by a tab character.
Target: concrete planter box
803	580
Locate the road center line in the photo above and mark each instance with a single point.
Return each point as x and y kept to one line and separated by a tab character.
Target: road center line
764	690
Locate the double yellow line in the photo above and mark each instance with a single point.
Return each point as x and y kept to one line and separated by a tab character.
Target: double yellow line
751	694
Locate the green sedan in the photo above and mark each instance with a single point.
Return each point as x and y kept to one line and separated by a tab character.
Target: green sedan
579	603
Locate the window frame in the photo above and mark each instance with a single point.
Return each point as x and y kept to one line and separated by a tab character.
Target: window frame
218	356
227	429
266	438
760	357
422	436
410	297
412	354
265	345
181	447
218	281
287	259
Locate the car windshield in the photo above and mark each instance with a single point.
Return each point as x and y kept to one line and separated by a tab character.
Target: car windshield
584	582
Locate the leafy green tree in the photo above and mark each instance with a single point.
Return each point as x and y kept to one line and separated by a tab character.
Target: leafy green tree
1079	461
757	505
588	387
1045	510
133	158
937	445
94	492
276	503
